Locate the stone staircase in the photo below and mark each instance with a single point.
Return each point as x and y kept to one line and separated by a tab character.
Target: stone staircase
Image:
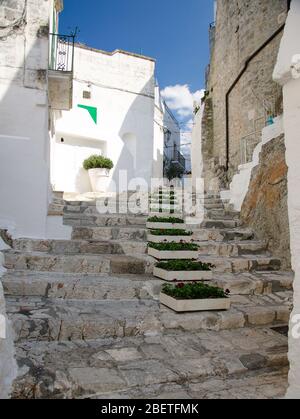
88	322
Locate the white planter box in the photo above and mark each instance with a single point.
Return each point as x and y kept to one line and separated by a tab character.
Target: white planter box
172	254
164	207
99	179
169	239
165	226
182	276
181	306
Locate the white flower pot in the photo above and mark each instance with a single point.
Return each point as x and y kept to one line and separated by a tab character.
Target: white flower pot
181	306
165	226
99	179
172	254
182	276
169	239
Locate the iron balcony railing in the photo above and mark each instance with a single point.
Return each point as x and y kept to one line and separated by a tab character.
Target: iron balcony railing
61	52
179	158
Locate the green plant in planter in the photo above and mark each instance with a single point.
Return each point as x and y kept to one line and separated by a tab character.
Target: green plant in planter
97	162
184	265
194	291
174	246
171	220
174	232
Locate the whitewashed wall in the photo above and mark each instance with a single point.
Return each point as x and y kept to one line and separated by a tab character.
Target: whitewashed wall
122	89
163	120
24	140
196	149
287	73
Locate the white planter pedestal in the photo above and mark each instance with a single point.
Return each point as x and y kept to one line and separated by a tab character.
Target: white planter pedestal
172	254
182	276
152	238
99	179
165	226
182	306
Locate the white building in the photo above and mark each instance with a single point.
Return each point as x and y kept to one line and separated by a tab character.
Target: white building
117	112
26	82
166	135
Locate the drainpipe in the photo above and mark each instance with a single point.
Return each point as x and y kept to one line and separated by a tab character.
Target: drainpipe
247	62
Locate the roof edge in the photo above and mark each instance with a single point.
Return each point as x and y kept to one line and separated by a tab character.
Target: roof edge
117	51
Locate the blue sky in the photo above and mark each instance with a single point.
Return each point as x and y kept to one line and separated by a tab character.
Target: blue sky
174	32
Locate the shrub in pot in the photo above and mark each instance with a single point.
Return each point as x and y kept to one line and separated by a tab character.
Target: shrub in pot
194	296
98	168
183	270
164	251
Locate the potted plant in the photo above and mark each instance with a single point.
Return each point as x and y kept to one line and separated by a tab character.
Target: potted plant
165	223
165	251
194	296
183	270
98	168
169	235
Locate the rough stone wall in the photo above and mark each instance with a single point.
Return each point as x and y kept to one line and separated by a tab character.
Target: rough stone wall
242	26
265	206
8	367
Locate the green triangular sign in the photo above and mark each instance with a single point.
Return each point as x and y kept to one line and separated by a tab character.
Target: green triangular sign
92	111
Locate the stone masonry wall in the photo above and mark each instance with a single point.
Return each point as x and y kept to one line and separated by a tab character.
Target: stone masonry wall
265	206
241	28
8	367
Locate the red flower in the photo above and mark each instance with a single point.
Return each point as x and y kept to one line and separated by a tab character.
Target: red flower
180	285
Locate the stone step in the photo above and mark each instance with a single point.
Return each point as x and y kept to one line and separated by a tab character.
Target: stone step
221	224
254	283
106	220
56	210
140	233
109	263
237	364
246	247
40	319
79	247
43	262
118	287
217	214
80	286
136	233
218	206
245	263
58	194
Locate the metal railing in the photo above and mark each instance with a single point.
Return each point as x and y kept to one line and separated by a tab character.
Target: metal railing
251	140
178	158
61	52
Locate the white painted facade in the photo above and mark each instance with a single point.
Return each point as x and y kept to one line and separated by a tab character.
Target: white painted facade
116	113
196	149
240	183
166	135
23	104
24	137
287	73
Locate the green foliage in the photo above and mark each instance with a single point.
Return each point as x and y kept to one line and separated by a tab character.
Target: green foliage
174	172
173	232
171	220
174	246
97	162
194	291
184	265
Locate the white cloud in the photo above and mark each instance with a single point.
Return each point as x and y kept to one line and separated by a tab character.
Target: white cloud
179	98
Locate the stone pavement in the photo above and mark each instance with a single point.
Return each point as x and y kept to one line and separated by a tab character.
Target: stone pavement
88	323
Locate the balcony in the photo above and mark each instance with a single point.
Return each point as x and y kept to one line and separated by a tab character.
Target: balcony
61	63
178	159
